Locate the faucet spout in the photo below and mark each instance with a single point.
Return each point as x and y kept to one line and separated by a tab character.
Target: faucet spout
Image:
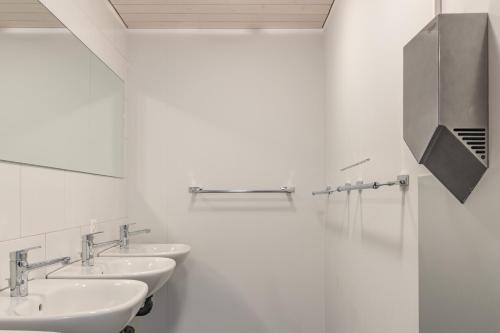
88	247
125	234
138	232
62	260
19	269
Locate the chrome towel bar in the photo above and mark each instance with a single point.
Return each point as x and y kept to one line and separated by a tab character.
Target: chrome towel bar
402	180
284	189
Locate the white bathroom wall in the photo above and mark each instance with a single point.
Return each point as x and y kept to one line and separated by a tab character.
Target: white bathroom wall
230	109
371	237
460	244
52	208
469	6
49	207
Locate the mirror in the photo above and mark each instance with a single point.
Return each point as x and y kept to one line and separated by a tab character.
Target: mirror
60	105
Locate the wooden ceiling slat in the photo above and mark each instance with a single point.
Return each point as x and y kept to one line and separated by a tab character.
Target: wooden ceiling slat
221	2
223	9
26	14
31	24
230	14
16	2
22	8
182	14
129	18
226	25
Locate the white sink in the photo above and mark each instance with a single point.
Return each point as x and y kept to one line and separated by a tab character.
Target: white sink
178	252
155	272
73	306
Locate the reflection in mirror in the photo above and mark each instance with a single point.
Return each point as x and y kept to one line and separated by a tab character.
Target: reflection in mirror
60	105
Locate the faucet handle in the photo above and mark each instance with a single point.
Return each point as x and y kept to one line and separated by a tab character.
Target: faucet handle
21	254
90	236
124	229
93	233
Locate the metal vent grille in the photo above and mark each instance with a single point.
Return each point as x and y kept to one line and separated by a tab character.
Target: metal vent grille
475	139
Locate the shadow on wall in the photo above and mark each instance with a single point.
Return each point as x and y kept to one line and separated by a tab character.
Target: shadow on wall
483	206
234	313
459	252
249	203
370	219
148	218
170	305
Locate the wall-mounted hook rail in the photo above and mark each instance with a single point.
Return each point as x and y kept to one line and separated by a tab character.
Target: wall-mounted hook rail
198	190
328	190
402	180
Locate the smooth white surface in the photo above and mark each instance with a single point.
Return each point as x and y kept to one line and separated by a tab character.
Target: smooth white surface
230	109
64	243
459	246
48	200
78	199
178	252
104	194
155	272
469	6
73	306
42	199
371	237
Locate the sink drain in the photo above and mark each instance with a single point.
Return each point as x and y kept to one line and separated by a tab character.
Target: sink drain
128	329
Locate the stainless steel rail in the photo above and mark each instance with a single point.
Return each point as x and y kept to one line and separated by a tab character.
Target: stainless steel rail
199	190
402	180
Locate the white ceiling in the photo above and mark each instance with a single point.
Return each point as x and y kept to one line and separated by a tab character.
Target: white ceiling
223	14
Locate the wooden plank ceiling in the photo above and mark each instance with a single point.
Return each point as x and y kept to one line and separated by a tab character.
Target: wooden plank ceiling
26	14
223	14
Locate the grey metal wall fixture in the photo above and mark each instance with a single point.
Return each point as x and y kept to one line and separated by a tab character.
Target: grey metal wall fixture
445	118
284	189
402	180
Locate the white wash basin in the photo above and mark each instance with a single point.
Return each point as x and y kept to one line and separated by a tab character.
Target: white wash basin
178	252
155	272
73	306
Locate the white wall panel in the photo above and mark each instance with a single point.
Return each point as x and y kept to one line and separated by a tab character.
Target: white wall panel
231	109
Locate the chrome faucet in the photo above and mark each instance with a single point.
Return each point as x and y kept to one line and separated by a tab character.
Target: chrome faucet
125	234
88	247
19	269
